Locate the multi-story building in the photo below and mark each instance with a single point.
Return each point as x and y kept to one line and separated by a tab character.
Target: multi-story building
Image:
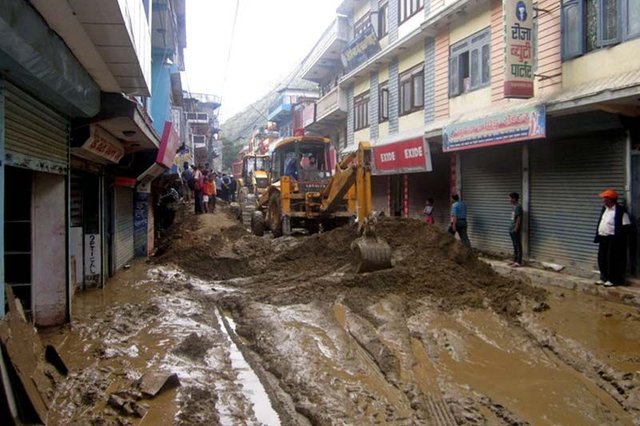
84	127
487	97
288	110
201	116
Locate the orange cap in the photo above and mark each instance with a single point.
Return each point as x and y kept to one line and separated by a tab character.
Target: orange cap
609	193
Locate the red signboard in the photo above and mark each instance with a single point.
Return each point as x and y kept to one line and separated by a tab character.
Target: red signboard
168	145
411	155
125	181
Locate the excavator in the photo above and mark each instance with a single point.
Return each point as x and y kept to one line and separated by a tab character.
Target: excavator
306	193
253	181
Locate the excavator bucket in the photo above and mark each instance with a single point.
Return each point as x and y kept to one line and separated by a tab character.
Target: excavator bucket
370	254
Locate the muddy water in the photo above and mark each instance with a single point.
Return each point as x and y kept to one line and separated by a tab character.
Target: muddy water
348	363
134	326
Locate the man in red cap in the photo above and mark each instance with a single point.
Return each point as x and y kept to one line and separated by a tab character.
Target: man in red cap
611	236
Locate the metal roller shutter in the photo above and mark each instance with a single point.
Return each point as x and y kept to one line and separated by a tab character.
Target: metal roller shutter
566	177
488	176
124	226
34	131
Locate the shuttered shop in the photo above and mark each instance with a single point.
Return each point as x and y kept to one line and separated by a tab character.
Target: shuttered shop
488	176
36	137
566	177
123	226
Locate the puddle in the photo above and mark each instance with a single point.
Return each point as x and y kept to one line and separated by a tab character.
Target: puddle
251	385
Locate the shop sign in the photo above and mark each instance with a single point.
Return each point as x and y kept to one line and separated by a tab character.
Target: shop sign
103	145
519	54
168	145
125	181
497	129
92	259
361	48
411	155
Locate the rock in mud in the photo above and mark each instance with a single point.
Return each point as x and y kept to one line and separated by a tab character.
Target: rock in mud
194	347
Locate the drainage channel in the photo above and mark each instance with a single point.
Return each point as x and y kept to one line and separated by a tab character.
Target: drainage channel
251	385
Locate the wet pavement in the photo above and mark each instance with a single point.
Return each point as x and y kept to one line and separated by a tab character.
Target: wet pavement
289	335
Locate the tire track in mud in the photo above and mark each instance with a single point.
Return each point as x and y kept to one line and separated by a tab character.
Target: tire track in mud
426	362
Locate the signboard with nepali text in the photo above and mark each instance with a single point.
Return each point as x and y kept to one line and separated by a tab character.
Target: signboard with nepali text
102	144
168	145
408	156
519	53
361	48
92	259
518	125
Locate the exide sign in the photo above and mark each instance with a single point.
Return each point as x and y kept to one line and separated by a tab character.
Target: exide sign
411	155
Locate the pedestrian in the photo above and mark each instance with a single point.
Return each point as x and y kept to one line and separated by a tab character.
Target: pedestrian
218	185
205	192
226	181
428	211
198	179
611	235
459	220
212	192
233	187
187	177
515	229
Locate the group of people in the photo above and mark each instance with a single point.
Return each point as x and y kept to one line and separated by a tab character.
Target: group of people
612	233
206	186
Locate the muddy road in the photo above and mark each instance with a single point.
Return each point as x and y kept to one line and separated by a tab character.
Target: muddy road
264	331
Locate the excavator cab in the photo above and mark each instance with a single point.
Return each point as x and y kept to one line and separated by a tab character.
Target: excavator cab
308	190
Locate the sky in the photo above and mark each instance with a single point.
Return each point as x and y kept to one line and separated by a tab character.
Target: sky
272	37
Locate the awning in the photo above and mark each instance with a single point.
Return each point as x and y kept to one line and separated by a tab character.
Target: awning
127	121
623	87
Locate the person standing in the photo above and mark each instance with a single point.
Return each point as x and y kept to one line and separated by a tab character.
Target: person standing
459	220
198	179
226	181
515	228
187	176
428	211
611	237
233	188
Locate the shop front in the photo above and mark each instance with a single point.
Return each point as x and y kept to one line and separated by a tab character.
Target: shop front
405	176
35	208
491	152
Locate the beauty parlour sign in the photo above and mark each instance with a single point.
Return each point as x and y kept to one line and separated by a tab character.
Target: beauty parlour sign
519	54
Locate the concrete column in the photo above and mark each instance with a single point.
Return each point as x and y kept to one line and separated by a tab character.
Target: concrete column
373	106
393	20
394	95
350	116
429	79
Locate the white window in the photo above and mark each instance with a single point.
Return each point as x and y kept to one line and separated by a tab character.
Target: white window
470	63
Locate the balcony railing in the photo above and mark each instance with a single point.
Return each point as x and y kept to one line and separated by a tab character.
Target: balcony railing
335	100
204	98
328	47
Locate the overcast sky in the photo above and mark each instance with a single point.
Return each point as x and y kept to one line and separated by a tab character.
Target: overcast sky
271	39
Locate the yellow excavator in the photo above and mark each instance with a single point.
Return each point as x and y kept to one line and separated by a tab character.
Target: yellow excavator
306	192
253	181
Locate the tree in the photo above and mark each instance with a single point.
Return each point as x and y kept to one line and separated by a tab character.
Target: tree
229	153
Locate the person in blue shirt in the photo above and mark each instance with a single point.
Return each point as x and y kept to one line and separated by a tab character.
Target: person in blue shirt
291	169
459	220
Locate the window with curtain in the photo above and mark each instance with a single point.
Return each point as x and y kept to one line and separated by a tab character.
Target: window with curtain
470	63
588	25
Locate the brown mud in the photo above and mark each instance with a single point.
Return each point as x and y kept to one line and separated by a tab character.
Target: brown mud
438	339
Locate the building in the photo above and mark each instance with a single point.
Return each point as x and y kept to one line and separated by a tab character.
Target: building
203	127
83	130
450	108
288	110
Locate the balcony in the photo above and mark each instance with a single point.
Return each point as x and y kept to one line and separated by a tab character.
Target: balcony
205	98
324	58
110	38
331	110
281	109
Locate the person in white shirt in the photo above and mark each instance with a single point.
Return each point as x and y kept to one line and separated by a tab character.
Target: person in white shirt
611	236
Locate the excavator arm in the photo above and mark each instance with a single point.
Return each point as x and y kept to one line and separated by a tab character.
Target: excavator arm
371	253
